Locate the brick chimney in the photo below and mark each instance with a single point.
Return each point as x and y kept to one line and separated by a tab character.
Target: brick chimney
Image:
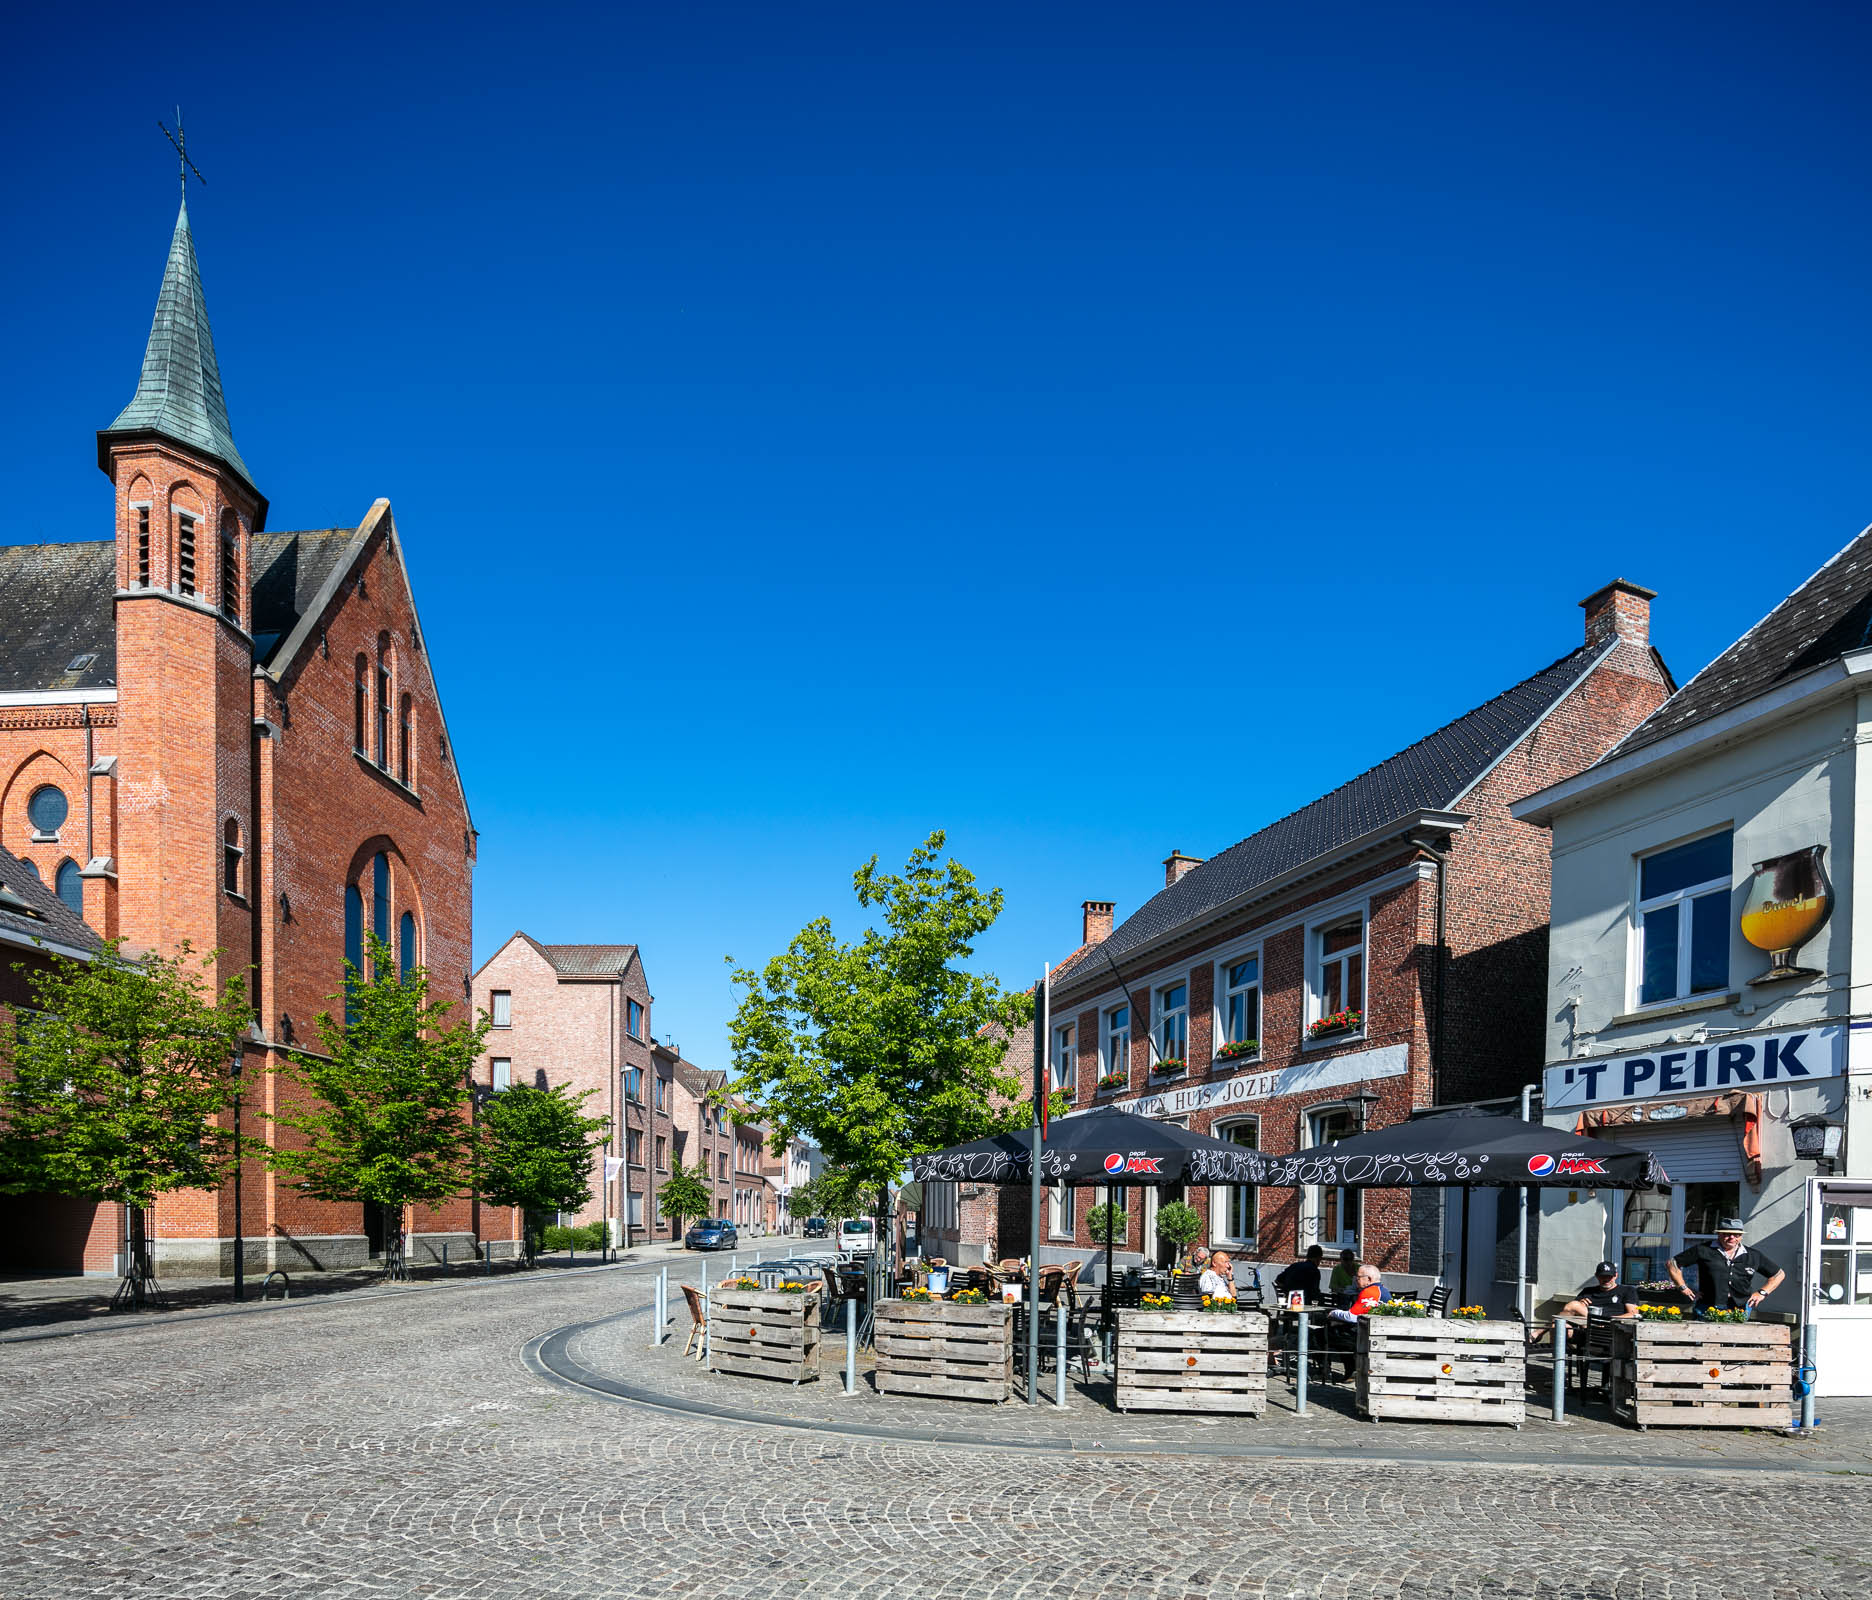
1176	864
1097	920
1621	609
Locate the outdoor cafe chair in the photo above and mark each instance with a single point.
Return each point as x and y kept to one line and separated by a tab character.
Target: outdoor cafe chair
698	1320
1439	1299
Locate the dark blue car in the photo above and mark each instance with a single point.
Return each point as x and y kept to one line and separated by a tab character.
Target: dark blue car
716	1235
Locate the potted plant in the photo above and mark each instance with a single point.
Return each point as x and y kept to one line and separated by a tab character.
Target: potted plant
1178	1224
1111	1080
1336	1022
1107	1223
1169	1067
1235	1049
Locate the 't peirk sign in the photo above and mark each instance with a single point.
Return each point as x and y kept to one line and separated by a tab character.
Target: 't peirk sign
1769	1060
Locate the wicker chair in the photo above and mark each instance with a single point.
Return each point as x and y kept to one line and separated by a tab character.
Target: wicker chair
698	1320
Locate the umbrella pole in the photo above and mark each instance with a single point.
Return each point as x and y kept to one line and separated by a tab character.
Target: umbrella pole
1042	1026
1462	1271
1105	1300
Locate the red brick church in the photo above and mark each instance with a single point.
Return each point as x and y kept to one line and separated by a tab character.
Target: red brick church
215	733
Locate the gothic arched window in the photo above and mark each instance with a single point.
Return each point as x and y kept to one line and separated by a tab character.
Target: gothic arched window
353	946
405	739
69	886
231	853
360	691
406	944
380	896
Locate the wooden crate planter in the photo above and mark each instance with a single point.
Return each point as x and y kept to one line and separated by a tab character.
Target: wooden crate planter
937	1347
1192	1361
762	1333
1704	1374
1442	1369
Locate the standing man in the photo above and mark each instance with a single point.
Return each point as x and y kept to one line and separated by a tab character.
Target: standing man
1726	1269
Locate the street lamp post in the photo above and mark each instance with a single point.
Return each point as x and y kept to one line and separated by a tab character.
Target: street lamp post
240	1241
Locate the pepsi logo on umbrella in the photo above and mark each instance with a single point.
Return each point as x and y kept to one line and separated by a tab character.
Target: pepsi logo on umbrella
1117	1164
1566	1166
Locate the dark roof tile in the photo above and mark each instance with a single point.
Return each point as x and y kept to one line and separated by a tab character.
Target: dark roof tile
45	917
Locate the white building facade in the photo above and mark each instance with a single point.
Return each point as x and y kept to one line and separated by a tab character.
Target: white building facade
1710	970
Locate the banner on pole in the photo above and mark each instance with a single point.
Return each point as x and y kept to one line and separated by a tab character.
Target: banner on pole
613	1166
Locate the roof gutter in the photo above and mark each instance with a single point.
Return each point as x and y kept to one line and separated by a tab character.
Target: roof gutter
1615	772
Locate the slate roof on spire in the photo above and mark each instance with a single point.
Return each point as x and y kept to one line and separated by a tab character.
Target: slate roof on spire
178	394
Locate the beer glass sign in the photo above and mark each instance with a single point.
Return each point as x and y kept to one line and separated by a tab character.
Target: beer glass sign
1789	900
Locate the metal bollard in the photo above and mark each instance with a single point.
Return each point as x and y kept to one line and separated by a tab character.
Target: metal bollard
1059	1349
445	1255
851	1346
1300	1369
704	1346
1810	1342
1559	1371
656	1311
487	1259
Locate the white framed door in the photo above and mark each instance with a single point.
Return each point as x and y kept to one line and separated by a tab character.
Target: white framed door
1839	1247
1328	1215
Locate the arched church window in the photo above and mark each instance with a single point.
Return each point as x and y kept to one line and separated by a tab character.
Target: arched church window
47	810
405	739
69	885
383	701
353	947
406	944
380	896
360	691
231	854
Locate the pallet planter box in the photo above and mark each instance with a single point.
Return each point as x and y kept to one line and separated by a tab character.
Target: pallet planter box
1192	1361
1704	1374
1442	1369
937	1347
762	1333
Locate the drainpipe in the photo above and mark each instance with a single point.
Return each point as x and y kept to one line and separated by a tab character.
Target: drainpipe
1441	858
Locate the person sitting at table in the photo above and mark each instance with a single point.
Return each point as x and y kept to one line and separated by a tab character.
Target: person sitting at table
1198	1258
1344	1275
1303	1275
1605	1296
1218	1279
1370	1292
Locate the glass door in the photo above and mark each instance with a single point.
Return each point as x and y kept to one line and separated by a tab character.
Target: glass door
1840	1297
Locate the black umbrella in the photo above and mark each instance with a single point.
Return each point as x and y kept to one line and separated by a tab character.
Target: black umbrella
1466	1148
1096	1147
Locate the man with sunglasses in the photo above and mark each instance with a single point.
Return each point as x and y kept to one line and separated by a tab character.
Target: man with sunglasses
1725	1270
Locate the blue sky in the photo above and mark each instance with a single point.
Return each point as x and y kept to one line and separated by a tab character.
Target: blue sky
1094	431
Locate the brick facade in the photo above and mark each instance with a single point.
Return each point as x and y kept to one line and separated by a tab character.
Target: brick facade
1433	1031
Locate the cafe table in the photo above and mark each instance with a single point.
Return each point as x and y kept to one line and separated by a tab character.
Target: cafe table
1315	1315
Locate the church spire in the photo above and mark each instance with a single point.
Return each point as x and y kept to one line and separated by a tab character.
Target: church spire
178	396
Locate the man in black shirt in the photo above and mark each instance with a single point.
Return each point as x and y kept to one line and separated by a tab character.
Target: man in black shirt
1605	1296
1303	1275
1725	1270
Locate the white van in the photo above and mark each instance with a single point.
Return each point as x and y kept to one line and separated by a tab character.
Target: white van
858	1233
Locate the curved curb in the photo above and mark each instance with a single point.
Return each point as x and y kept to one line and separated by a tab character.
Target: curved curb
548	1356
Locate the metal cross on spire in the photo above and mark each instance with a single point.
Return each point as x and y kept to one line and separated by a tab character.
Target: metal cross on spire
184	166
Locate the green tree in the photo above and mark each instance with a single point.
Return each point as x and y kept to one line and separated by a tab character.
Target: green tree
118	1072
1108	1223
685	1193
888	1046
533	1149
1178	1223
381	1114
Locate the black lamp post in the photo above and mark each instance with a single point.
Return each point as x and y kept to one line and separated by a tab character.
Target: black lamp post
240	1242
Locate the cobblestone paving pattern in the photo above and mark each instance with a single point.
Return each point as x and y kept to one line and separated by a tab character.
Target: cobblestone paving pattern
395	1445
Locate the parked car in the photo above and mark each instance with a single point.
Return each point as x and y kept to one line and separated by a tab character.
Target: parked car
718	1234
858	1233
815	1227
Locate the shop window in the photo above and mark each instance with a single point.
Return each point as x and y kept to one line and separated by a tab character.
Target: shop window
1655	1227
1683	919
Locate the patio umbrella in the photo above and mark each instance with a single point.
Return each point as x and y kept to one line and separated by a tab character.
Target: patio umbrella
1108	1147
1466	1148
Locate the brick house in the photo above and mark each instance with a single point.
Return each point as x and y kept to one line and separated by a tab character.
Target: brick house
578	1016
704	1130
1388	940
218	734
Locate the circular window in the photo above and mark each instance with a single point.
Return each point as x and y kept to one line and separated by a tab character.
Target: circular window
47	809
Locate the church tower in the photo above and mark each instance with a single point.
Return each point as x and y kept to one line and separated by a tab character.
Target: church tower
186	511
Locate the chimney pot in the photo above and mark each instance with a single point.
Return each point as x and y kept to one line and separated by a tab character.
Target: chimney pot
1176	864
1621	610
1096	924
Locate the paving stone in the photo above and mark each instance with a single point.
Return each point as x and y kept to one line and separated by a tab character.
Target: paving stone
396	1445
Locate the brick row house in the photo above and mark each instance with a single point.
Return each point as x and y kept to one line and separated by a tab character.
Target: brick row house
1379	951
578	1016
214	733
725	1137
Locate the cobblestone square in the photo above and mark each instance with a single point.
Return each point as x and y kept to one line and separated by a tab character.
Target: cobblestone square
407	1449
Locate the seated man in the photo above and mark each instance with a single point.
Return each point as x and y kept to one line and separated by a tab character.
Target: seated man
1303	1275
1370	1292
1344	1275
1604	1297
1218	1279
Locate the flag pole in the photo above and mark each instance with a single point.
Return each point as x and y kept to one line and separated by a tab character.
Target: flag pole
1041	1031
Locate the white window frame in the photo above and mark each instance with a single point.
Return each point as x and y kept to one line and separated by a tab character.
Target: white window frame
1112	1058
1310	1196
500	1008
1220	1194
500	1072
1316	931
1161	1015
1683	899
1060	1218
1218	1028
1063	1057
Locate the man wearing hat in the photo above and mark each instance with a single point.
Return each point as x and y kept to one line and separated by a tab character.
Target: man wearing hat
1726	1269
1605	1296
